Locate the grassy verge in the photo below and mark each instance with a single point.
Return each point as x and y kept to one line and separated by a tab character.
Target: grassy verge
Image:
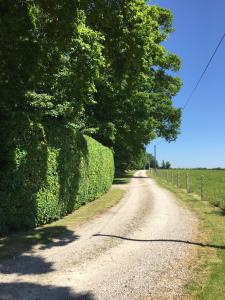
59	232
209	183
124	178
209	274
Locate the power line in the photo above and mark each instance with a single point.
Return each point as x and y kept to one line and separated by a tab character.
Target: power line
203	73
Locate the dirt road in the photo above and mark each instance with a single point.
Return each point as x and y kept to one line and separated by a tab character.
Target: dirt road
137	250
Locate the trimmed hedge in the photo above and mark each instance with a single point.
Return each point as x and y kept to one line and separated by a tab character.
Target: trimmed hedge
47	172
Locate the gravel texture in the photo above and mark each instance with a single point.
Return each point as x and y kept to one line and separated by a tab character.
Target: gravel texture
136	250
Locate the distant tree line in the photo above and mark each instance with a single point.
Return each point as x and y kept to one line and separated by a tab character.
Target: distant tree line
200	168
153	163
165	165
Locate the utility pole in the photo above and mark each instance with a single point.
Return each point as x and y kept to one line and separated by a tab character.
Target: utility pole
155	157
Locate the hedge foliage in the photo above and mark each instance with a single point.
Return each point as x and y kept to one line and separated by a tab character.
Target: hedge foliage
48	171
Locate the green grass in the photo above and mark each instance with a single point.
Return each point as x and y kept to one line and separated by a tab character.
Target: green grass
214	183
209	271
60	232
123	178
92	209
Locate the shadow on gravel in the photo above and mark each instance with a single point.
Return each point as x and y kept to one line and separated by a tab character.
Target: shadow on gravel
16	250
122	179
162	240
27	291
141	177
26	265
125	178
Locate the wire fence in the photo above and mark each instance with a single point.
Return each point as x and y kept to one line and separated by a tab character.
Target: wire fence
208	184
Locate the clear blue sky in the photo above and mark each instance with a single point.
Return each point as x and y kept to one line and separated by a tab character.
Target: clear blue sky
199	25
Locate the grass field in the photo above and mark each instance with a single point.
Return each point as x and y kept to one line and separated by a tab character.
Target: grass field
209	272
213	186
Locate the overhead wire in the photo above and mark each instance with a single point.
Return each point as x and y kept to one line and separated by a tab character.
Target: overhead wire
203	73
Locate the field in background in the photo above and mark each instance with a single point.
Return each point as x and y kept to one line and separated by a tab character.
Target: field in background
208	184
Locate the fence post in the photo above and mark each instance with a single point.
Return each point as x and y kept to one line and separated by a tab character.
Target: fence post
178	180
188	183
202	187
172	177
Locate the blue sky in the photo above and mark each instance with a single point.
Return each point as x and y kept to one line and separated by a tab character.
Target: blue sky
199	26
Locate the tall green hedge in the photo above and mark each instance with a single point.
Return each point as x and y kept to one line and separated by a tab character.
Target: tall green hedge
47	172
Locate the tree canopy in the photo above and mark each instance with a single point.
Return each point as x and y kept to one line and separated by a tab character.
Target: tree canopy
96	65
165	165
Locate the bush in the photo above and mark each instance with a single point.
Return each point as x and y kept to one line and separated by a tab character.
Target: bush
47	171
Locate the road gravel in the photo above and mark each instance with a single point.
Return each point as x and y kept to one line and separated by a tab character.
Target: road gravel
136	250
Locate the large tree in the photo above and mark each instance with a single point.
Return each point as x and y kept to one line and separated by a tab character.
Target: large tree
50	59
96	65
133	102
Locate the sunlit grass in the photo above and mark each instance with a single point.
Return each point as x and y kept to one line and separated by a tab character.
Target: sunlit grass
213	183
123	178
209	272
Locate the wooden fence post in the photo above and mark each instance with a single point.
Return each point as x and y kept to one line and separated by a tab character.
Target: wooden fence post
202	187
178	180
188	183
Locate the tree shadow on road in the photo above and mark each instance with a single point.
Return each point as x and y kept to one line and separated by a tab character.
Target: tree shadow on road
30	291
123	178
26	264
162	240
16	250
141	177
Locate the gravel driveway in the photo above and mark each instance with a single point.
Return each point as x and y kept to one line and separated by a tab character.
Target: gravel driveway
137	250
